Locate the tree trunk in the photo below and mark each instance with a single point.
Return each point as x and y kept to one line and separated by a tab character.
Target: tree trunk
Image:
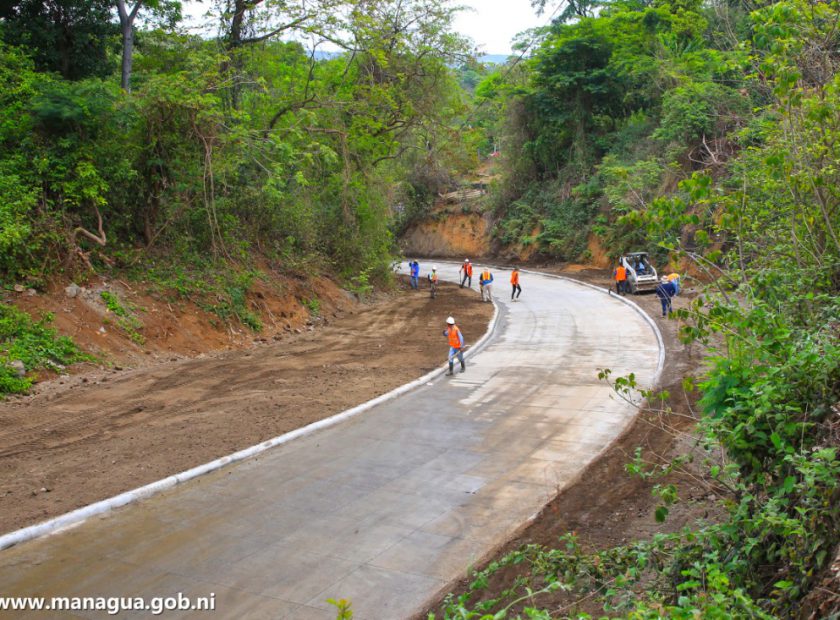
127	26
127	55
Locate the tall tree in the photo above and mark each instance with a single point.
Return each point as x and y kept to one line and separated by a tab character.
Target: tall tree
69	37
168	8
127	16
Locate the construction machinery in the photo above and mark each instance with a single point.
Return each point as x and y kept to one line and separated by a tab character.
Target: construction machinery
641	275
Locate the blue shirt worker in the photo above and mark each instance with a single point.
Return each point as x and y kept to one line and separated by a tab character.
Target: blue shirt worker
456	345
665	290
415	274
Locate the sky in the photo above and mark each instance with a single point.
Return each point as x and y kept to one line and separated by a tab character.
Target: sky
494	23
491	24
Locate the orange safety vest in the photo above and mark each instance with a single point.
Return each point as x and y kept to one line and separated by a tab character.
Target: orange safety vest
454	340
620	274
485	276
468	269
433	277
514	277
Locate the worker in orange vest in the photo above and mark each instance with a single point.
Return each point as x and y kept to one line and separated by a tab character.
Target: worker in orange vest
620	275
466	268
486	283
514	282
456	345
433	282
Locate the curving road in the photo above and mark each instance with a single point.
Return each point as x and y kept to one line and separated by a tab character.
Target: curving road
387	507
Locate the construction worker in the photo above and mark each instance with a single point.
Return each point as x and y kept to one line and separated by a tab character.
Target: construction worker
514	282
415	274
466	269
620	275
433	281
665	291
674	278
486	283
456	345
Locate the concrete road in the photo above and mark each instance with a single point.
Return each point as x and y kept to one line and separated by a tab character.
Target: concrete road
386	508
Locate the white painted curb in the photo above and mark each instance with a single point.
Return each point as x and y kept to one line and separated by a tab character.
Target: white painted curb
106	505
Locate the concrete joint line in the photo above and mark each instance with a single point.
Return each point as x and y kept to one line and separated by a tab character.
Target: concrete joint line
79	515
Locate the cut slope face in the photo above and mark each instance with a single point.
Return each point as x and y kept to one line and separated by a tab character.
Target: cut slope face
447	234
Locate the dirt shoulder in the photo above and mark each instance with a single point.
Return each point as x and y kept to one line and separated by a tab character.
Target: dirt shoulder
606	506
84	438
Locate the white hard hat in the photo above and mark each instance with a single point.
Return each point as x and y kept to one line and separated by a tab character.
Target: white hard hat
434	268
466	260
450	321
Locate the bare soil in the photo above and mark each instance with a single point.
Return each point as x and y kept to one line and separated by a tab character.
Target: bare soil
110	428
448	232
606	507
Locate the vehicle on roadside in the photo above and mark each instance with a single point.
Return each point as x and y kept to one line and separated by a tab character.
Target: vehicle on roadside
641	274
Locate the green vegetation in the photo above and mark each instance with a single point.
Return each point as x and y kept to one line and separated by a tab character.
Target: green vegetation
126	320
313	305
230	149
33	343
706	133
194	161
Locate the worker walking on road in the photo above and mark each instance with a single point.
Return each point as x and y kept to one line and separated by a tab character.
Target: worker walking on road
514	282
665	291
620	275
456	345
674	278
466	271
486	282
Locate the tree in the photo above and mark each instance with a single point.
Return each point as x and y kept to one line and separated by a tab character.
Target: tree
127	17
69	37
127	14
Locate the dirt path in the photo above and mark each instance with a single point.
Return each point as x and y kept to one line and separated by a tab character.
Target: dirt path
110	431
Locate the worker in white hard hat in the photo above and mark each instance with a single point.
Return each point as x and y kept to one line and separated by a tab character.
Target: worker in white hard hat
433	281
456	345
466	270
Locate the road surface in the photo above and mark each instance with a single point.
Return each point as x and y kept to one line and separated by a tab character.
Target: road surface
386	508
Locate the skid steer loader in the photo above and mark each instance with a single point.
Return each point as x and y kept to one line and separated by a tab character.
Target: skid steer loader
641	275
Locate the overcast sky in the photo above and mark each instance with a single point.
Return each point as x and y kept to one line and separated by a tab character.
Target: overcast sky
493	23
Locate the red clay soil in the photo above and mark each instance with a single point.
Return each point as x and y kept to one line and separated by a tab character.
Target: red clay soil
92	435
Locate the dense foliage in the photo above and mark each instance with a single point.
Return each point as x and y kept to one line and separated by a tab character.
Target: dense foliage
224	148
706	133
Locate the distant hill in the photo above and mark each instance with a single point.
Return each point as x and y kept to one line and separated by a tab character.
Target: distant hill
494	59
325	55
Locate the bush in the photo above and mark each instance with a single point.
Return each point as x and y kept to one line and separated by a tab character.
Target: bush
33	343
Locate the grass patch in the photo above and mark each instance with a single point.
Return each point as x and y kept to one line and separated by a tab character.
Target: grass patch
35	344
220	291
126	320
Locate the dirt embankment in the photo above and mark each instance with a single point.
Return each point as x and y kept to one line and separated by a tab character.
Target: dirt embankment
86	437
447	233
160	326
